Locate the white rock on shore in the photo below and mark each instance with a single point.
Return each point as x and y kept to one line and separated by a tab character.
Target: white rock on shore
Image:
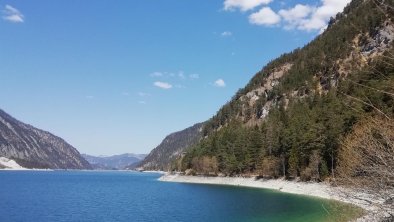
321	190
154	171
10	164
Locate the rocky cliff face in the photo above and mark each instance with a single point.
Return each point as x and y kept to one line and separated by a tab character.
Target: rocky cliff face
353	42
171	148
34	148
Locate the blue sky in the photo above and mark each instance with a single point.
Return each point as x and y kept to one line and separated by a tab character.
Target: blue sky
118	76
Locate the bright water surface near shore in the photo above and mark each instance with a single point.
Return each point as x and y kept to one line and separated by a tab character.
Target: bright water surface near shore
61	196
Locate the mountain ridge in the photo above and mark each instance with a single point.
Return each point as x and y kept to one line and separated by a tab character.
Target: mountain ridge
114	162
172	147
31	147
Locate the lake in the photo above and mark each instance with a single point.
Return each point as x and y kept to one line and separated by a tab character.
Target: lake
130	196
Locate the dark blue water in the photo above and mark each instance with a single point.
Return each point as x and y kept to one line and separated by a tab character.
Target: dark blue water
127	196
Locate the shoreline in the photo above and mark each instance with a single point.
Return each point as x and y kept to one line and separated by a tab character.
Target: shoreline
24	169
84	170
153	171
368	203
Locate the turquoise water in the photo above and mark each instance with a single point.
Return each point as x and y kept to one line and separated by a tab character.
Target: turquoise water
128	196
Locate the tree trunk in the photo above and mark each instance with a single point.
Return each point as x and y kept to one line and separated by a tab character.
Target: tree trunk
332	164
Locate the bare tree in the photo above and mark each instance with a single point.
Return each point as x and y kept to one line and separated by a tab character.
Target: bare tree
314	164
270	167
366	159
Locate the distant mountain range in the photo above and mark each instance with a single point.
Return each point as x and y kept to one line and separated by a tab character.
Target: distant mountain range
172	148
116	162
34	148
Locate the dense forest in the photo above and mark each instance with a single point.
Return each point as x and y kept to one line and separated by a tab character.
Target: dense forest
297	114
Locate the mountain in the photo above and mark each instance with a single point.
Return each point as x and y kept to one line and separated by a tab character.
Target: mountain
171	148
34	148
291	118
116	162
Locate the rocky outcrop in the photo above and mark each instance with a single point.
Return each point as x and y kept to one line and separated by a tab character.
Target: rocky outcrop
270	81
379	41
8	164
34	148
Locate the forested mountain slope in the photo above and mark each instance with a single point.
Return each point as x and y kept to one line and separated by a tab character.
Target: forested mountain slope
172	148
291	119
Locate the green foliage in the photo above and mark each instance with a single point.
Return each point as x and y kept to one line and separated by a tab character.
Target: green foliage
301	134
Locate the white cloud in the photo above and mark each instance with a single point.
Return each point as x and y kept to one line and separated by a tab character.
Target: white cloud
181	75
226	34
89	97
264	17
143	94
311	18
180	86
321	14
194	76
142	102
162	85
12	14
125	94
244	5
302	17
295	16
157	74
220	83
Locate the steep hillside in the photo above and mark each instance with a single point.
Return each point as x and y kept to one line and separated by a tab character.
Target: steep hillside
171	148
116	162
34	148
290	118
